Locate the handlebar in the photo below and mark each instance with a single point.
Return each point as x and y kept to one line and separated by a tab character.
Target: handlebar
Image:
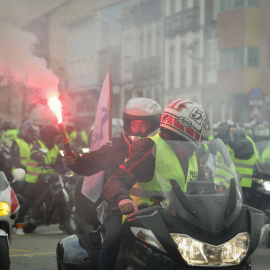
117	211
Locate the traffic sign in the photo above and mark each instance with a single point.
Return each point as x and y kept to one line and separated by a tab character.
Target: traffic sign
255	113
256	93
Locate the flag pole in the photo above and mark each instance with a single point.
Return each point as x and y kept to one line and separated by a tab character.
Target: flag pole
110	101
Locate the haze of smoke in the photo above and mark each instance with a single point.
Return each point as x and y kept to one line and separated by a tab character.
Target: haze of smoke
18	63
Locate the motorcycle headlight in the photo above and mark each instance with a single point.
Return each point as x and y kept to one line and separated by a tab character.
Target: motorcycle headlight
198	253
266	185
147	236
263	184
4	209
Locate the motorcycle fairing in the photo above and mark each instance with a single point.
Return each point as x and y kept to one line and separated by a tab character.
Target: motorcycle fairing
212	202
162	223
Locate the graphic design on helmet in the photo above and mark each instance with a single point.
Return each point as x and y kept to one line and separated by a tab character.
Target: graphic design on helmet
185	118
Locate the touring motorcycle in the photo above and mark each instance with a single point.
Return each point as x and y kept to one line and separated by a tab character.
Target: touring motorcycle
9	208
201	224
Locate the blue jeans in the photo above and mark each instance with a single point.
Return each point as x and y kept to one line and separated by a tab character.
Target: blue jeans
110	248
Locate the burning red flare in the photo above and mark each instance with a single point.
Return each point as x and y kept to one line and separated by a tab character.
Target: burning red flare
55	105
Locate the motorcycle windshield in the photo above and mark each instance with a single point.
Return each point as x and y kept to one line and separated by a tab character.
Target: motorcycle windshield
3	181
198	184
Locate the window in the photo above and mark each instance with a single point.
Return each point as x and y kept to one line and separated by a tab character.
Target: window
232	58
269	52
158	42
231	4
253	3
70	69
84	66
212	51
183	65
172	6
148	93
78	68
141	40
195	63
149	43
253	57
184	4
171	67
91	64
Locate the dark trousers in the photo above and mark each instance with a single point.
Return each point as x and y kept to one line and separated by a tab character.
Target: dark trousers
29	193
109	251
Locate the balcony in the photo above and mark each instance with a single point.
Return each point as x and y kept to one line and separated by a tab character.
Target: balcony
147	68
146	12
181	22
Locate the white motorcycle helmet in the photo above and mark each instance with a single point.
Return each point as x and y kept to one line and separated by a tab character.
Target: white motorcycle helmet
143	109
185	120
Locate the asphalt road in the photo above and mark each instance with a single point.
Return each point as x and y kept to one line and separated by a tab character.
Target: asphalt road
36	251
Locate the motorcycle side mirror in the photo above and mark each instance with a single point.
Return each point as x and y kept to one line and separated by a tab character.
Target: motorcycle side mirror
156	199
18	174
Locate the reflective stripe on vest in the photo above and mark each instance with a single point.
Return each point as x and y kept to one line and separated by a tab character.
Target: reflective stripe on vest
33	171
167	167
223	173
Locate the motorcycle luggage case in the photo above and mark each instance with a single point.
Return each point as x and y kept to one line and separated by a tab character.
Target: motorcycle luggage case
78	252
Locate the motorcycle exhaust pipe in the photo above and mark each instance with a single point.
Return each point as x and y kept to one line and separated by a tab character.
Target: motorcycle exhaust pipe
65	139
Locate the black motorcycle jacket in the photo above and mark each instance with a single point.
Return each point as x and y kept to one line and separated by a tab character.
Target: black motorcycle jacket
4	167
141	166
107	159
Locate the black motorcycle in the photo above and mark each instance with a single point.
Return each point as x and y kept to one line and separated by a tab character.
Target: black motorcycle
53	204
201	225
258	195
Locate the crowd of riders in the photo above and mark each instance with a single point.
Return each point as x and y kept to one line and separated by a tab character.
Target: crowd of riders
34	148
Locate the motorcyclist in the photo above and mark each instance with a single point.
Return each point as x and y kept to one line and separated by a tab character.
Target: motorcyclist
243	152
9	133
4	167
44	159
141	117
261	136
21	146
122	188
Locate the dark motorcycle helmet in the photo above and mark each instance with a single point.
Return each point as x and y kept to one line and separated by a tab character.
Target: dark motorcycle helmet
261	131
143	109
223	130
29	131
8	125
48	135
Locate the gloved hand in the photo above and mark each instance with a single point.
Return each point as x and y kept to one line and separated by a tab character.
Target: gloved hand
70	160
127	205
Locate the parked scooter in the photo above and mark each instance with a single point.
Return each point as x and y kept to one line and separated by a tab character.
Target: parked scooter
201	225
53	204
9	207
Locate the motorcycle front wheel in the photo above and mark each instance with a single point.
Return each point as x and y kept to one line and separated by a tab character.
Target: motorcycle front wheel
71	221
4	254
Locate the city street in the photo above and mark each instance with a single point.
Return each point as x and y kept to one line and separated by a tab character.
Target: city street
36	251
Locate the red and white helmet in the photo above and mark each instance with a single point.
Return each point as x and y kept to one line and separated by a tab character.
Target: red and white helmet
185	118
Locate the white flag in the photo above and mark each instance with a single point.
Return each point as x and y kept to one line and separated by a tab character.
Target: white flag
92	185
